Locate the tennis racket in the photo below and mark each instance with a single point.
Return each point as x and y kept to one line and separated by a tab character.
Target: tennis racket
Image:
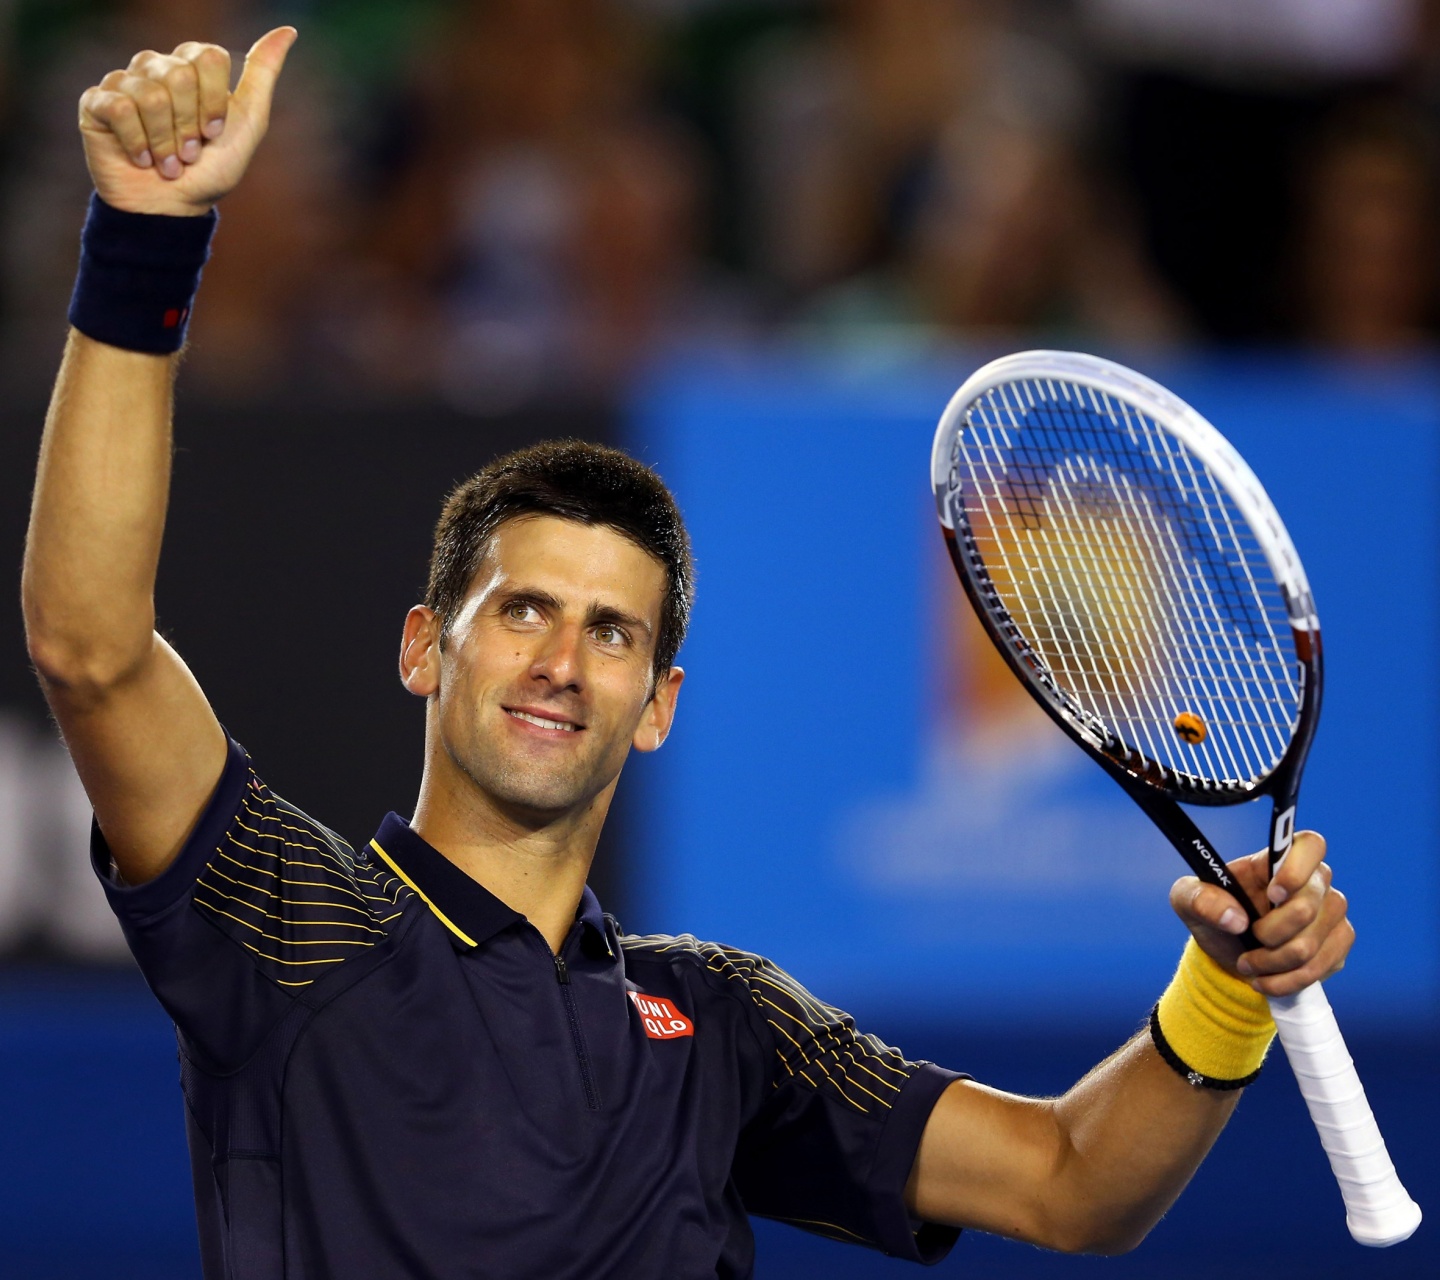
1132	571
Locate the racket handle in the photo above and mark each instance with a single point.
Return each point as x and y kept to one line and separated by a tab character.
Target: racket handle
1378	1209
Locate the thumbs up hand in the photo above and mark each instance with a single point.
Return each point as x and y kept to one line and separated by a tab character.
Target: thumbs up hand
166	135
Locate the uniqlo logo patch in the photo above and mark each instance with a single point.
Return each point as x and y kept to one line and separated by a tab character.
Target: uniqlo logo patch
661	1019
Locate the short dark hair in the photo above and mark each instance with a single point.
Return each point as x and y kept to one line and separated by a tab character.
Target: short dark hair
574	480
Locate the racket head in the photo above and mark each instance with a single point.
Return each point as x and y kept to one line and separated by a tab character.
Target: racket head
1133	572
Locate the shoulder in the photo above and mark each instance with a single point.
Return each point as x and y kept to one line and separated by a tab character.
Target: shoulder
685	954
758	982
685	961
814	1044
684	951
264	817
291	891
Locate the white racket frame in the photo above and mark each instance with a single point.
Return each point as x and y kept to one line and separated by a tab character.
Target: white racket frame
1378	1209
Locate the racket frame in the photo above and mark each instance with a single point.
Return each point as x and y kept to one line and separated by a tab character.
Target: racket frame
1157	789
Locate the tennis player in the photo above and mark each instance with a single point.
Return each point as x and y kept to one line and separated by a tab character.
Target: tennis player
432	1055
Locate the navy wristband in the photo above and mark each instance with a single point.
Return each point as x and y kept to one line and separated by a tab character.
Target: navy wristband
138	276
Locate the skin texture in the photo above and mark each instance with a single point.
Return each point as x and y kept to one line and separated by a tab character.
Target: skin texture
559	622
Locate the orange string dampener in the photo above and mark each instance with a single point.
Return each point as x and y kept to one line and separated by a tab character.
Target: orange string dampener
1190	727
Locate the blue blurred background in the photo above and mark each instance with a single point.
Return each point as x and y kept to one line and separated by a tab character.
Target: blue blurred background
827	798
759	243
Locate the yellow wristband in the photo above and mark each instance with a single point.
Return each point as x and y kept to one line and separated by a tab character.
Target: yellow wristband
1210	1026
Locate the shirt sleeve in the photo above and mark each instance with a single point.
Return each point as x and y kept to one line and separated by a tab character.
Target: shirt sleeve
831	1148
261	903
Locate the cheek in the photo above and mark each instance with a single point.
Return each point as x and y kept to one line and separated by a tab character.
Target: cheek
626	702
486	659
460	686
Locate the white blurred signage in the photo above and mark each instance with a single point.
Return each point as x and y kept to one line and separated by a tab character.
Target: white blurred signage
48	894
1324	37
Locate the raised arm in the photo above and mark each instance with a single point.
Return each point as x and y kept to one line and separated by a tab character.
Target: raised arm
164	138
1094	1170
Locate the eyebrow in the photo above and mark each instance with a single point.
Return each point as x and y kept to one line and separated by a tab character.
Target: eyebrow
600	613
596	614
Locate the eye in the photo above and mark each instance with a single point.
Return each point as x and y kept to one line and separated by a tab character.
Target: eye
608	633
520	611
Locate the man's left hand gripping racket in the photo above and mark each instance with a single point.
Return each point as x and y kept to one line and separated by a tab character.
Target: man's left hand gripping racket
1132	571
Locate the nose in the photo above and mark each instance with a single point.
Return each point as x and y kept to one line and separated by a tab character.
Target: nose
558	660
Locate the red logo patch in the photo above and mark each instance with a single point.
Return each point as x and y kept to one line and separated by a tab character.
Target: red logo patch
661	1019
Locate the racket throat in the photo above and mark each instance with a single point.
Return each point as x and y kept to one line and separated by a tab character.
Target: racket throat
1200	855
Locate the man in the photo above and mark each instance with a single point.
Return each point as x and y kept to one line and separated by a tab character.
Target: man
434	1056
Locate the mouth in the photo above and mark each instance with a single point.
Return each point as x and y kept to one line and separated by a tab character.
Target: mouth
543	722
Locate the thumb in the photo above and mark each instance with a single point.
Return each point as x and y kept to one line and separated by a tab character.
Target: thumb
262	69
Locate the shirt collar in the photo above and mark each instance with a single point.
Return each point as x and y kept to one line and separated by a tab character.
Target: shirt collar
591	916
466	908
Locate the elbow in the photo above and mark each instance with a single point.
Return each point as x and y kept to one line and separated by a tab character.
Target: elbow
1110	1244
1085	1212
1105	1235
79	647
83	670
1100	1209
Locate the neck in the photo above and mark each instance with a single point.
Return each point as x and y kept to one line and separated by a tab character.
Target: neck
535	864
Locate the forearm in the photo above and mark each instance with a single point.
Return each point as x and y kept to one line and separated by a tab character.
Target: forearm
1089	1172
1132	1133
98	513
1094	1170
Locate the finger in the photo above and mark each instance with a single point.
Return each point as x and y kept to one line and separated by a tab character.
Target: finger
152	100
1252	874
262	69
1328	960
1196	902
1306	852
106	109
1300	910
212	67
1299	949
142	60
183	83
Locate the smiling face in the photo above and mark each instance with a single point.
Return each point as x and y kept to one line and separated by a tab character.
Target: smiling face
544	679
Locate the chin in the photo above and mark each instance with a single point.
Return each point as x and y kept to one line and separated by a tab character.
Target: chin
540	799
544	788
521	786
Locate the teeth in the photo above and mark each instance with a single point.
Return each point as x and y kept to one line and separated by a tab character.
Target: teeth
544	723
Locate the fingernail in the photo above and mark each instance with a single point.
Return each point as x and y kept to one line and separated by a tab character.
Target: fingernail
171	166
1244	966
144	159
1277	892
190	150
214	128
1232	921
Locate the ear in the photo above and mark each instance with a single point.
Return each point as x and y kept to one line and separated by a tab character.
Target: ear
659	713
420	652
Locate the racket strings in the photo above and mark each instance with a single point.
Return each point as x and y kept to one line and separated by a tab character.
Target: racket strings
1153	626
1131	576
1139	517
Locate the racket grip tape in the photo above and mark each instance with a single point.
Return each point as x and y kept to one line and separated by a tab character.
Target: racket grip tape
1378	1209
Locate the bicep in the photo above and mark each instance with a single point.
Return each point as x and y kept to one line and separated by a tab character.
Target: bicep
987	1160
149	752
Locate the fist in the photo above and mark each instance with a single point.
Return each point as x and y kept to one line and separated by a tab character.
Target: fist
1303	933
166	135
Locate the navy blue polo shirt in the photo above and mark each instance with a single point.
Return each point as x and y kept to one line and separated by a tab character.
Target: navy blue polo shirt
387	1073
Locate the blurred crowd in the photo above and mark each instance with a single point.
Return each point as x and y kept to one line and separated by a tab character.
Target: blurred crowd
511	201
